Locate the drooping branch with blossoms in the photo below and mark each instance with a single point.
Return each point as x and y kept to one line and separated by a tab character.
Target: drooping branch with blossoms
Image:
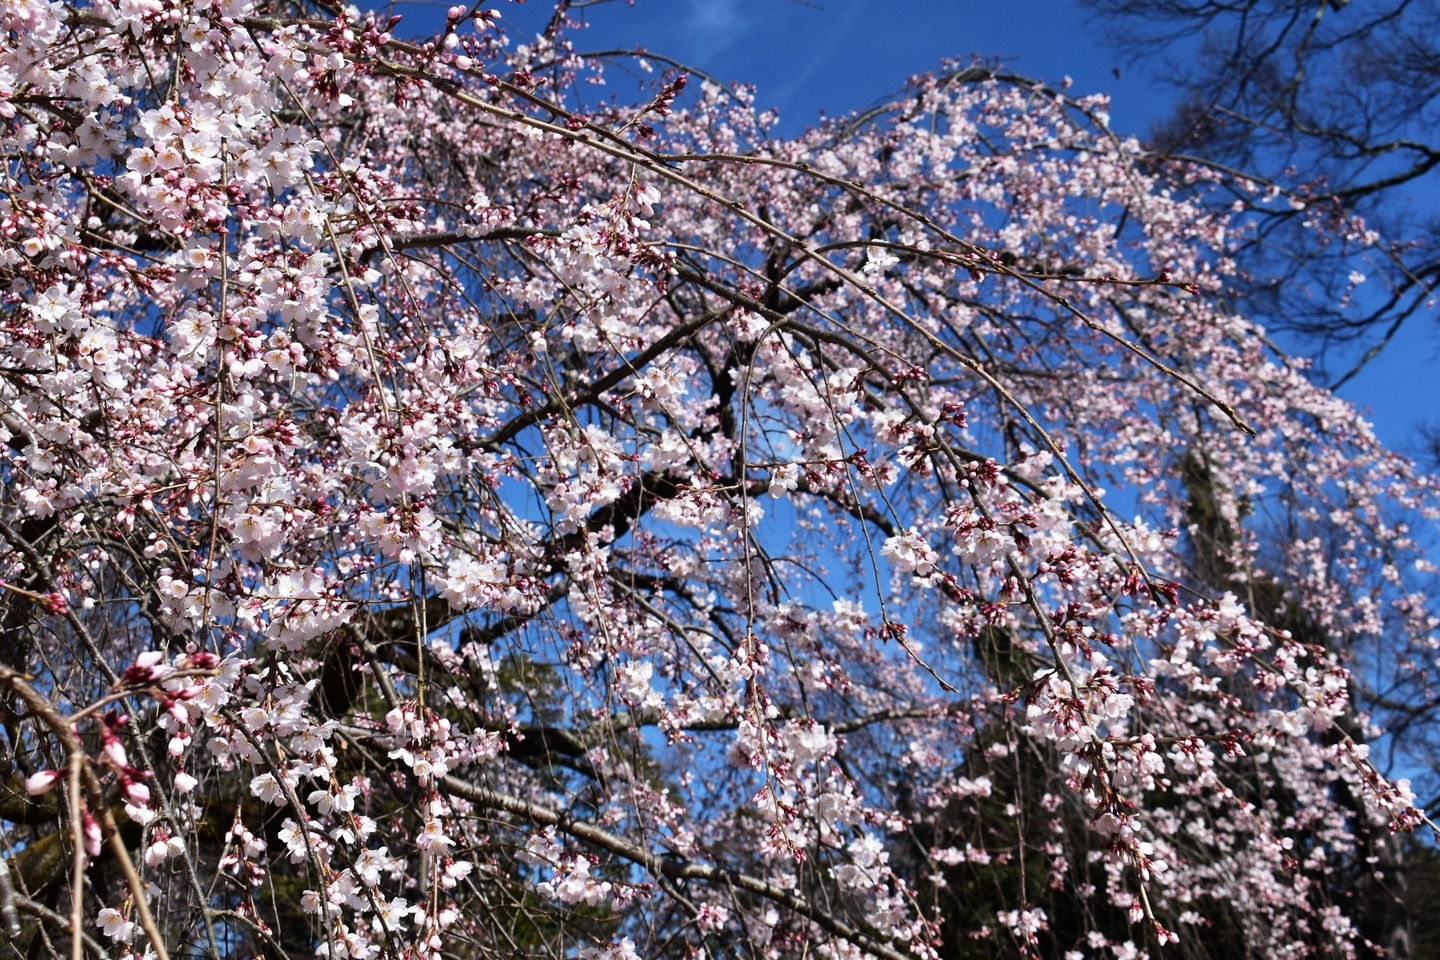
446	516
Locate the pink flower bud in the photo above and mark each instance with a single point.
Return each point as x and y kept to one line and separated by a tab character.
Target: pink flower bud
92	835
201	660
115	750
41	782
136	792
147	668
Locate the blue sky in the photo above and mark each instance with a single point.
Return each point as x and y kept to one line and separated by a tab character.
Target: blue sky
809	56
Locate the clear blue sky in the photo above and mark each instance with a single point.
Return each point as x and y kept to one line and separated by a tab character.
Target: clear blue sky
808	56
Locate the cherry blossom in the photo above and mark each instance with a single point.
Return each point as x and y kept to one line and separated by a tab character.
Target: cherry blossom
449	514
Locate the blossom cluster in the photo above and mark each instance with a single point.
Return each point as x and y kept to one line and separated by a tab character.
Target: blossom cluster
498	523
